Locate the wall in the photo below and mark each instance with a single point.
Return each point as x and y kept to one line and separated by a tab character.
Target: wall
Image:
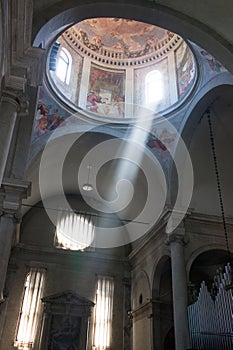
152	318
65	270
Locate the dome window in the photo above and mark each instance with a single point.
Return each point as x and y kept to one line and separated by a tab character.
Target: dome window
64	66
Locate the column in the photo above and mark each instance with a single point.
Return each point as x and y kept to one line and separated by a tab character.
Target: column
176	240
8	112
10	104
12	192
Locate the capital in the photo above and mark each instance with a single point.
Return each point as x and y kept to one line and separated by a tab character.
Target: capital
12	192
18	98
175	221
176	238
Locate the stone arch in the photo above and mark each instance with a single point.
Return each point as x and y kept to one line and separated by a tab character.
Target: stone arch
52	19
202	100
141	290
220	85
162	301
201	250
205	264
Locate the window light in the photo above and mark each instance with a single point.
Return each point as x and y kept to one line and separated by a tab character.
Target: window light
29	313
64	66
103	313
74	232
154	87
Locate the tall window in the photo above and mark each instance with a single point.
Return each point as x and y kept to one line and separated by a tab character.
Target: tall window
29	313
64	66
103	313
154	87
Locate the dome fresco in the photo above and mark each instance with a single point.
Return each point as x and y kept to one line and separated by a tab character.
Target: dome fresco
133	38
118	68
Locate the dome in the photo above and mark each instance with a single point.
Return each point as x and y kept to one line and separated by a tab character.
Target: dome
119	68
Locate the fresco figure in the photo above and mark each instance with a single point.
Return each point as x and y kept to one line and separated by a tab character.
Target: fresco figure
213	63
55	120
92	99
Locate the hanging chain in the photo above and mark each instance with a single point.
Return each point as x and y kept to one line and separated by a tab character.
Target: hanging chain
218	180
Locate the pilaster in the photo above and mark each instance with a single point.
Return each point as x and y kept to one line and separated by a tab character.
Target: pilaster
12	102
11	194
27	62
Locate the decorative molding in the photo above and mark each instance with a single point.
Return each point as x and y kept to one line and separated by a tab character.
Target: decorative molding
17	98
176	238
209	218
118	57
12	192
177	220
68	297
26	62
66	307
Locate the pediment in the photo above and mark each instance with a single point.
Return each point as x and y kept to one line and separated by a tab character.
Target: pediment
68	297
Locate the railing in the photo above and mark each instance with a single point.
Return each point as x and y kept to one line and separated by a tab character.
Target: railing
118	57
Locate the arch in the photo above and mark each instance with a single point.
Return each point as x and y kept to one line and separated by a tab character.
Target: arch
169	341
60	17
201	250
158	270
202	100
204	268
197	107
162	305
141	290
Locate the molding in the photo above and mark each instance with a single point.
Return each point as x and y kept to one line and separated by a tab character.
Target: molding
12	192
14	83
209	218
68	297
15	96
26	62
119	57
177	238
62	253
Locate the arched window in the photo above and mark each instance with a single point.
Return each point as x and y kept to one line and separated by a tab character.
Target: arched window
64	66
74	232
154	87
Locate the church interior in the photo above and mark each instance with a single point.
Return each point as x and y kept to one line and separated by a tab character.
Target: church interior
121	237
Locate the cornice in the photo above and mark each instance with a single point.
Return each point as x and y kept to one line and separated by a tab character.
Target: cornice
209	218
26	62
12	192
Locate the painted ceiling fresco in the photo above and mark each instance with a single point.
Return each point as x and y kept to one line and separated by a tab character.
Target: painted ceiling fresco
119	33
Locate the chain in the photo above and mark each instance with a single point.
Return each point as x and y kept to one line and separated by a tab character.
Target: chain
218	180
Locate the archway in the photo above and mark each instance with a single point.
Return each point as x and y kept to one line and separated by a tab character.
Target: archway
205	265
67	13
162	304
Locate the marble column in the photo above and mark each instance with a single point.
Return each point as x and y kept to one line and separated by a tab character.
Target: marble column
11	194
11	103
176	240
